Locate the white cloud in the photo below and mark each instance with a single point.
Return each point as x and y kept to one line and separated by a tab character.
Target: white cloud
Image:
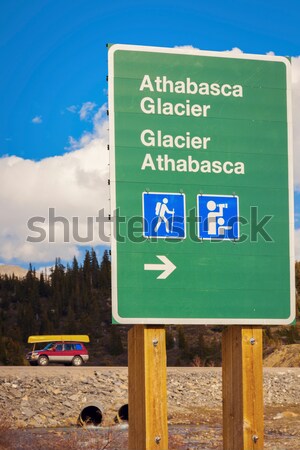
37	119
86	110
192	50
72	108
75	184
188	48
234	51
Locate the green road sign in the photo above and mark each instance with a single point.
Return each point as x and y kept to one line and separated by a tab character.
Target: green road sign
201	187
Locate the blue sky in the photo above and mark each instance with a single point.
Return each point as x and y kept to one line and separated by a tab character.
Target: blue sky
53	53
53	82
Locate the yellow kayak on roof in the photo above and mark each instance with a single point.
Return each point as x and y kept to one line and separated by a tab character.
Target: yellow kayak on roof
58	337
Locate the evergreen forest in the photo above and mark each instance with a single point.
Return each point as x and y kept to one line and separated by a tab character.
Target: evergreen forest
76	299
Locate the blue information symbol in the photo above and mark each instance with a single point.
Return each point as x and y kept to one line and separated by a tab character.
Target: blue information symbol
218	217
164	215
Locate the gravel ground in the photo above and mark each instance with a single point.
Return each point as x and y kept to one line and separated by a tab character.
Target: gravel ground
194	401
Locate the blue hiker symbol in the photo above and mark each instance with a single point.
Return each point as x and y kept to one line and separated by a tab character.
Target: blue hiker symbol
160	210
164	215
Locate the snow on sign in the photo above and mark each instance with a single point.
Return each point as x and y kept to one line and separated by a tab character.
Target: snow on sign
201	187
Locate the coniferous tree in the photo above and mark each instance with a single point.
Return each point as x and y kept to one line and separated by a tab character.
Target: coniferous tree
87	270
115	343
43	287
105	273
169	340
94	269
59	299
75	281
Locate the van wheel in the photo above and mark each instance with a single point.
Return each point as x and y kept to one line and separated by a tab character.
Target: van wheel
77	361
43	360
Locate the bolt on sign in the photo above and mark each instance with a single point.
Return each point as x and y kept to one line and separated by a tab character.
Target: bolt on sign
201	187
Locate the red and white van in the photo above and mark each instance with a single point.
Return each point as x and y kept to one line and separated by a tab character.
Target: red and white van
66	349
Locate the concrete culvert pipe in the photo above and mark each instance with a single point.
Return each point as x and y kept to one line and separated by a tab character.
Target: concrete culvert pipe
90	415
122	414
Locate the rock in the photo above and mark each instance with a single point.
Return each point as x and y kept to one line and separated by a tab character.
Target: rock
67	404
74	397
288	414
28	412
56	391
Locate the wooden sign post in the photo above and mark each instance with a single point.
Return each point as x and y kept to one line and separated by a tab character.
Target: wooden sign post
242	378
147	388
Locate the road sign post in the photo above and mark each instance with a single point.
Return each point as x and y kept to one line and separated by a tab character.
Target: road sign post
147	388
242	379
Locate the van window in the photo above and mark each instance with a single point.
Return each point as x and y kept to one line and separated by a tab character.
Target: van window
77	346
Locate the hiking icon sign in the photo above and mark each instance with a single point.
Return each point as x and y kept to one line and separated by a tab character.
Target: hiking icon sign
164	215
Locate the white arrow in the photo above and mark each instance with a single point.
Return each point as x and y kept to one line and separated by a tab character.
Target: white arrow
168	267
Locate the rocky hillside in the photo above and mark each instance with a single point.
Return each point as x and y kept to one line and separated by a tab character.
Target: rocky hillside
17	271
285	356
